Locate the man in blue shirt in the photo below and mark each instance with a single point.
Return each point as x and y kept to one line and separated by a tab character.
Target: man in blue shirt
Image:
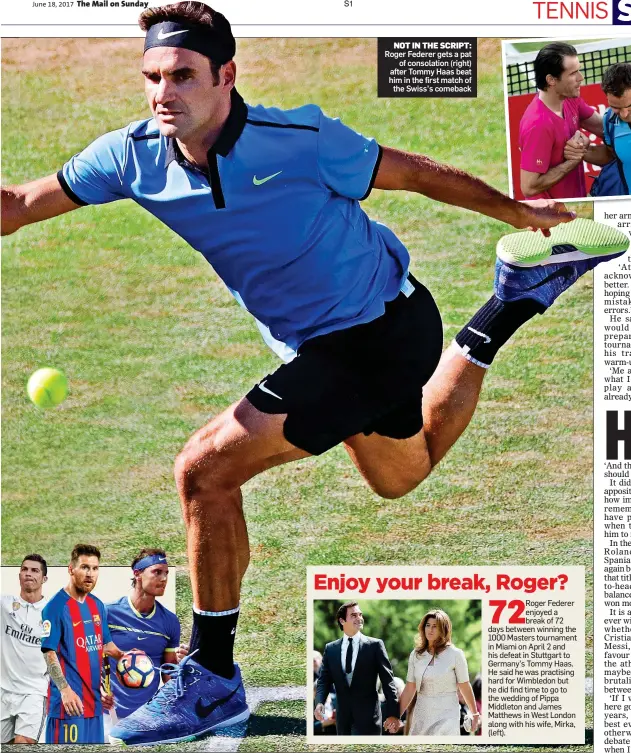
139	621
616	85
271	199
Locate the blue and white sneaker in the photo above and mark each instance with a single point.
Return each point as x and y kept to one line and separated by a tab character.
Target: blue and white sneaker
532	266
192	703
574	241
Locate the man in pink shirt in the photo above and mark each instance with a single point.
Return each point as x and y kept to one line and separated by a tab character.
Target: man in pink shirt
552	118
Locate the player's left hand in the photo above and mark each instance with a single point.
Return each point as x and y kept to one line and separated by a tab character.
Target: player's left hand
475	723
107	699
543	214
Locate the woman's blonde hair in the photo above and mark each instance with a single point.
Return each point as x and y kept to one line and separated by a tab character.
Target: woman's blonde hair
444	628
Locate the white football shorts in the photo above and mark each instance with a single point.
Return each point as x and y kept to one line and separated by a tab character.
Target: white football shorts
21	715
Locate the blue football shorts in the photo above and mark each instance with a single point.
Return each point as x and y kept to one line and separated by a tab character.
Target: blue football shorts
75	730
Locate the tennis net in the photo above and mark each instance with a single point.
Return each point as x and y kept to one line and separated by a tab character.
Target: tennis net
595	58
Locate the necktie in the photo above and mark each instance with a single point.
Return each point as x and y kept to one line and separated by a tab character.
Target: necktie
349	657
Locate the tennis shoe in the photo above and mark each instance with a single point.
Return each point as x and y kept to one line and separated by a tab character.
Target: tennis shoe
574	241
544	283
191	704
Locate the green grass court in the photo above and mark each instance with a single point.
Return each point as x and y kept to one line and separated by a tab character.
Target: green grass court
153	346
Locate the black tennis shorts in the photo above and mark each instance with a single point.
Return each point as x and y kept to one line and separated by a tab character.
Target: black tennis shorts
367	378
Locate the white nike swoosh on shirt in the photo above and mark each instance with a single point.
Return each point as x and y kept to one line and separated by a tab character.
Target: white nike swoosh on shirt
266	389
166	35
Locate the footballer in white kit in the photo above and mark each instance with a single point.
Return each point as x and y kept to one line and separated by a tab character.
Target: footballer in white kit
24	679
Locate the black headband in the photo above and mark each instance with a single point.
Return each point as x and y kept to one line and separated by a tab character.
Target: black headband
190	36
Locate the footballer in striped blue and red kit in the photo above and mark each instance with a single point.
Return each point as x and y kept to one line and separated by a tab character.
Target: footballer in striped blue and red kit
75	637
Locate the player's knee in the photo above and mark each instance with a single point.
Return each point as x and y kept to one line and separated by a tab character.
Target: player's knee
392	491
203	467
395	487
183	470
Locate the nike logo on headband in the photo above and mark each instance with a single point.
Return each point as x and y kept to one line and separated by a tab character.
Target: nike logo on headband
163	35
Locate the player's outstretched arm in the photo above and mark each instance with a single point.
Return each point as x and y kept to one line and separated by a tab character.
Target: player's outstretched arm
33	202
71	701
416	172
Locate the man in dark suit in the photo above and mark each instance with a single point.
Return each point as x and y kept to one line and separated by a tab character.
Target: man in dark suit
352	664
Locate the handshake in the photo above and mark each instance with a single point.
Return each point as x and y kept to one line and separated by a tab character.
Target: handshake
575	149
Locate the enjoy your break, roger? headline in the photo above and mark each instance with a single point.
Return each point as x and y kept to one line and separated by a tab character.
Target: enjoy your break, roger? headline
393	584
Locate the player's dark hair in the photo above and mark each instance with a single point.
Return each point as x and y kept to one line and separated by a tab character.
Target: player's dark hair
549	62
617	79
146	552
201	15
341	612
37	558
84	549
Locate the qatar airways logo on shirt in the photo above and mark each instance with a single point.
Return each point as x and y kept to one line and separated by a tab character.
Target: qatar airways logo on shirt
621	12
90	643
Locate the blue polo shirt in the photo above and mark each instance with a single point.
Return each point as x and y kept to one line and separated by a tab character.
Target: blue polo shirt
154	633
622	142
276	213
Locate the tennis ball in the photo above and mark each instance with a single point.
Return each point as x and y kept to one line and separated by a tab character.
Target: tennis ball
47	387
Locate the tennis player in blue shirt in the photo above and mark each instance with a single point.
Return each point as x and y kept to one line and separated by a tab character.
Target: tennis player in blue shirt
271	199
139	621
616	85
